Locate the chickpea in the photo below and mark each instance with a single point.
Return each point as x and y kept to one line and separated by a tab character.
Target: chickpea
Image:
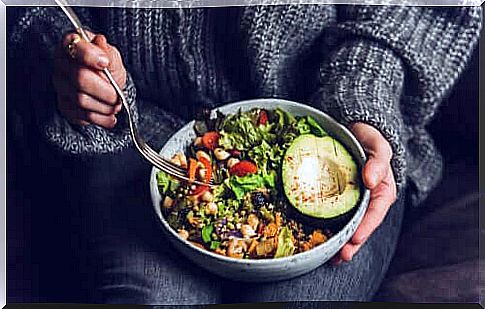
168	202
247	231
179	159
202	154
221	154
231	162
253	221
207	196
220	251
183	159
183	234
198	141
175	160
236	248
211	208
202	173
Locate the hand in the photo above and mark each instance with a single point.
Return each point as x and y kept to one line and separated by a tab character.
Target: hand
378	177
84	94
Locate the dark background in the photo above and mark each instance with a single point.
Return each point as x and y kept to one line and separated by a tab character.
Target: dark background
40	216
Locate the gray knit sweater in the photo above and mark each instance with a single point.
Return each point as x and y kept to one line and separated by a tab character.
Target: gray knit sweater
386	66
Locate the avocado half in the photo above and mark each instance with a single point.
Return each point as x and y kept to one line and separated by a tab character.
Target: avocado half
320	178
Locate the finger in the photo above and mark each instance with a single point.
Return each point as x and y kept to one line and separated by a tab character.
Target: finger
86	53
90	35
90	82
372	140
77	115
116	62
106	121
374	171
83	100
379	153
348	251
69	111
336	260
85	80
101	41
89	103
381	200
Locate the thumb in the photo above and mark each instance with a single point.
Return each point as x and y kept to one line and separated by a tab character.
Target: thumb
100	40
375	171
379	153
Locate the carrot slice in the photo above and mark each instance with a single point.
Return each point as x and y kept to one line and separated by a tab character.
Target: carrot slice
271	230
192	169
208	168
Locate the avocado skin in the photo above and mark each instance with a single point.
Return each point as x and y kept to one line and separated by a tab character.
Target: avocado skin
334	224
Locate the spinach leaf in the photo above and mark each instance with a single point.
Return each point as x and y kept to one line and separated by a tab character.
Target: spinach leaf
206	233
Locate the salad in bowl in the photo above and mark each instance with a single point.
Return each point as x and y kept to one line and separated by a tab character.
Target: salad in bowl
273	170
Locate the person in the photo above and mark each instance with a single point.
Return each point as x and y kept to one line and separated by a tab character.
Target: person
380	70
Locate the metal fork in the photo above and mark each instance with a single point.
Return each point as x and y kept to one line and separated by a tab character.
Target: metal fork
146	151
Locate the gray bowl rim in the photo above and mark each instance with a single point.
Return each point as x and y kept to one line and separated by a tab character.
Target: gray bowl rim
364	200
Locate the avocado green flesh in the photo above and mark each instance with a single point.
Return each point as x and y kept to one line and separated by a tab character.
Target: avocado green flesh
320	177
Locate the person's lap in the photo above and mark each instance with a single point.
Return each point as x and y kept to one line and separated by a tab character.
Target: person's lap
132	262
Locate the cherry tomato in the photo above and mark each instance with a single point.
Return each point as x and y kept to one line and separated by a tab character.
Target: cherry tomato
263	117
243	168
210	140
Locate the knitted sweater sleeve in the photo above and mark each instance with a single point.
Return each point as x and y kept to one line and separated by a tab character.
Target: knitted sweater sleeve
395	66
34	34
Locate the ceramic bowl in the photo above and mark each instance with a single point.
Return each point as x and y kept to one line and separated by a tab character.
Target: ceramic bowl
264	270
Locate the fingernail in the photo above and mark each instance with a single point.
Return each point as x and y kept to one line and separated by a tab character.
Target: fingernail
103	61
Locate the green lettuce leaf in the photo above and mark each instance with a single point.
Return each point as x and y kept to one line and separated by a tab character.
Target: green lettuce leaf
166	183
206	233
303	126
215	244
242	185
240	131
285	243
267	157
315	128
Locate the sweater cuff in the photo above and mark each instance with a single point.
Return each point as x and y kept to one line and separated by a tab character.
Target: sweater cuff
362	82
92	139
